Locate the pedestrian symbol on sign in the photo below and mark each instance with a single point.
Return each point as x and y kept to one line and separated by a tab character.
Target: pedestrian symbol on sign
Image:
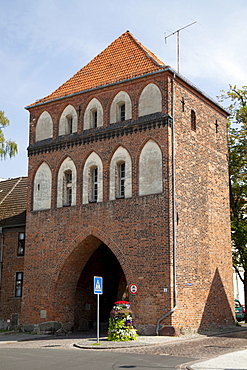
98	285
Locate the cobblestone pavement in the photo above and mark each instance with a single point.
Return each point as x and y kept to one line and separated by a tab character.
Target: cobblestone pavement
200	347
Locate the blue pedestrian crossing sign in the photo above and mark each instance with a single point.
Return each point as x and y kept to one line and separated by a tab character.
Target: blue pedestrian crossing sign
98	285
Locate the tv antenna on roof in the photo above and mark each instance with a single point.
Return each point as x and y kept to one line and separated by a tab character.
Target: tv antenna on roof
178	41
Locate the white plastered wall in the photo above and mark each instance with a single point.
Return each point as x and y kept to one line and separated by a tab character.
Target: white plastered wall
121	97
150	169
94	104
121	155
44	128
92	161
42	188
68	111
150	100
67	164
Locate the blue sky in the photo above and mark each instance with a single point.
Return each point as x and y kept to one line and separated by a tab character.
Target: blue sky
45	42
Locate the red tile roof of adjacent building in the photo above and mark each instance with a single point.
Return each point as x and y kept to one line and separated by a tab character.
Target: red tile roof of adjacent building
123	59
13	201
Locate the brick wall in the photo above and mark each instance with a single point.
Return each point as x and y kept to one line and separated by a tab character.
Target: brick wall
137	230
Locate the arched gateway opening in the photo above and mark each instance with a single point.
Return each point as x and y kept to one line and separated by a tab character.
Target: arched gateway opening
101	263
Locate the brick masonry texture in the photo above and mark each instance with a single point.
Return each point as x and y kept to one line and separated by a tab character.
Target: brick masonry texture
138	230
129	240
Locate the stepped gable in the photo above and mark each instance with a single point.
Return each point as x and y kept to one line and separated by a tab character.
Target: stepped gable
123	59
13	201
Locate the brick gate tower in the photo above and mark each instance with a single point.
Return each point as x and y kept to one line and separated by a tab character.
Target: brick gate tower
128	180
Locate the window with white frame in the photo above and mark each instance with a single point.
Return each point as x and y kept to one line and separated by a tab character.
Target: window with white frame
92	190
121	112
120	174
121	107
68	121
93	185
67	198
66	184
120	188
18	284
69	126
21	244
93	116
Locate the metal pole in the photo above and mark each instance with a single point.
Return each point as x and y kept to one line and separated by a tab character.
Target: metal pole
97	318
178	50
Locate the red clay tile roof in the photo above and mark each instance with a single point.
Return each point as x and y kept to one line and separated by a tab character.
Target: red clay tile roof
13	201
123	59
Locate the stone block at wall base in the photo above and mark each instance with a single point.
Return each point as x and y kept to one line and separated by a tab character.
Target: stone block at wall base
171	331
146	330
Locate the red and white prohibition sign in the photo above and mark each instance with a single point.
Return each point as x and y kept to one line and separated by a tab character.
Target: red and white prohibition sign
133	288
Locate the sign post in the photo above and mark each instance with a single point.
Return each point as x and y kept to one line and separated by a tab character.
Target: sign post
98	289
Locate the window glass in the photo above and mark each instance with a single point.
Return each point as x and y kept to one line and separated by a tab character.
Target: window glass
18	284
21	244
67	201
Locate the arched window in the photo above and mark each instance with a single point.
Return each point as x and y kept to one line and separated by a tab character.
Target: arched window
68	121
92	190
66	184
121	108
93	116
150	100
44	128
42	188
193	120
150	169
120	174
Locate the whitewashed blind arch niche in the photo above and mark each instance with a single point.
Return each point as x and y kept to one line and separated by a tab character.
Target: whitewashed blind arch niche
68	117
122	98
92	162
44	128
93	116
42	188
121	155
67	166
150	100
150	169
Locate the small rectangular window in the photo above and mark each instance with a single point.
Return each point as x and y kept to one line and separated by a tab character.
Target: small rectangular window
121	180
69	125
21	244
67	188
18	284
122	112
94	185
95	118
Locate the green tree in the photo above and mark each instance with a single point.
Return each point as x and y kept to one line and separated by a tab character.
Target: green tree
7	147
237	144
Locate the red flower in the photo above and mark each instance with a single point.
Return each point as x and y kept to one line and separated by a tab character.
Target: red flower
121	302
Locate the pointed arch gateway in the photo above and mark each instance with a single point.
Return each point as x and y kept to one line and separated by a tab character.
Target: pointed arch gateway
75	301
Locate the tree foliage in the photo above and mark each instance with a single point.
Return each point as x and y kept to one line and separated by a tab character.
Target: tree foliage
7	147
237	144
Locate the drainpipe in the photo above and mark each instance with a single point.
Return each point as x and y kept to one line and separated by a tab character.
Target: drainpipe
1	254
174	218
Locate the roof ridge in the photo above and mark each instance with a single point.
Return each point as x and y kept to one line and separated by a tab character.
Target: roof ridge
146	51
11	190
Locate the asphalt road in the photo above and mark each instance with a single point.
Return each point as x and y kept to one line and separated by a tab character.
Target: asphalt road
59	353
57	359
